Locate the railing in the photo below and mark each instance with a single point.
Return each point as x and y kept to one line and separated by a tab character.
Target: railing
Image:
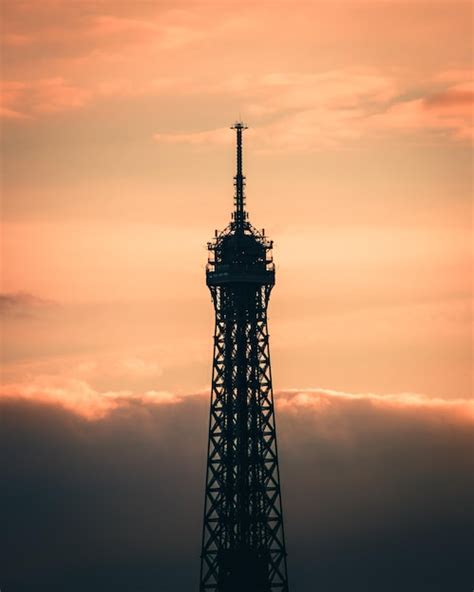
249	274
213	267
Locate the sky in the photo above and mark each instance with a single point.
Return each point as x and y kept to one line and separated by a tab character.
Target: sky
117	165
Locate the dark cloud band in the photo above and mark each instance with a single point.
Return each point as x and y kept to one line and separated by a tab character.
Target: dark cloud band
376	497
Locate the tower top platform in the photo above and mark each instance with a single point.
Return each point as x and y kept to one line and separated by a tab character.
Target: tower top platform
240	253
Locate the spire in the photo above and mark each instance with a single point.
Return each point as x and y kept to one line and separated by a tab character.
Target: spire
239	180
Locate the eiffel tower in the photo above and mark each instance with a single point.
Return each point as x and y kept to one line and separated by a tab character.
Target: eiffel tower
243	543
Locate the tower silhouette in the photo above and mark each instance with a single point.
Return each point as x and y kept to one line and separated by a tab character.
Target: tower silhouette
243	544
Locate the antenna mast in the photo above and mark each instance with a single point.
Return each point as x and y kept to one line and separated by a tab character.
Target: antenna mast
240	214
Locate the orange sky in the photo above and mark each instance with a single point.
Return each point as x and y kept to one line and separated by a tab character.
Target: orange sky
118	165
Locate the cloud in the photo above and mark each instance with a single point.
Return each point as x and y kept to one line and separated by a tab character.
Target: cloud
121	52
17	40
448	112
207	138
71	390
62	26
106	25
83	56
374	498
25	100
79	397
300	111
312	111
56	94
11	93
6	113
60	34
23	304
297	400
455	97
140	367
96	492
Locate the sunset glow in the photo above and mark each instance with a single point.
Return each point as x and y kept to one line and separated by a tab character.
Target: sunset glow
117	166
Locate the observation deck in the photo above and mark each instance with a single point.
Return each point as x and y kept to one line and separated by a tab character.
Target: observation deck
240	258
240	254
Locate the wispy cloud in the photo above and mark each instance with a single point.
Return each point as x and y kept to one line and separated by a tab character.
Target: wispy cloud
78	396
449	112
25	100
119	52
207	138
301	112
23	304
320	399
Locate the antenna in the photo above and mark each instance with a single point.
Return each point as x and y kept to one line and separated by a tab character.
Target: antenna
239	180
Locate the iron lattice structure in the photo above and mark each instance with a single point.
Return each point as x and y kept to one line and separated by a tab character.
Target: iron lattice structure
243	544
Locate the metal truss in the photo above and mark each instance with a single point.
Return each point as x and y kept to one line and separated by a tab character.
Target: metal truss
243	546
243	543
